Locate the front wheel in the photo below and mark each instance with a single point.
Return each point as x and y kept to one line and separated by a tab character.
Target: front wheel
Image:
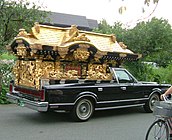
158	131
149	106
82	110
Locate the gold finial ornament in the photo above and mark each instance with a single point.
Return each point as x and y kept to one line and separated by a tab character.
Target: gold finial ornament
74	35
36	27
22	33
122	45
113	38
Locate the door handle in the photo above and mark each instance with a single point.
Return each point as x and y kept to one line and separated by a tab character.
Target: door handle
123	88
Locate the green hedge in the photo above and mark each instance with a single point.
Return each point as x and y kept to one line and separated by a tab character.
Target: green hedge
3	99
144	72
5	78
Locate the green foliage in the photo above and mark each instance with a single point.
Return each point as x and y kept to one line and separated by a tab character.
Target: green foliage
145	72
116	29
140	70
5	78
7	56
166	73
15	15
153	40
5	71
3	99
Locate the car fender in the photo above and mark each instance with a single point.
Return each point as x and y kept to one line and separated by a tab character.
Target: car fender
86	94
155	90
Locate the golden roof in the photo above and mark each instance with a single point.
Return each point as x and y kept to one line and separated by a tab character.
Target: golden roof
61	38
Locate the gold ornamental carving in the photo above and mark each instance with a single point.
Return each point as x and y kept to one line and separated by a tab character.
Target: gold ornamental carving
22	33
30	73
62	51
113	38
82	37
73	35
122	55
26	73
99	54
70	74
21	50
36	29
122	45
81	54
98	72
15	70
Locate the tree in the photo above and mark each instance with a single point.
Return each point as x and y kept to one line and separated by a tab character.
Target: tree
116	29
15	15
153	39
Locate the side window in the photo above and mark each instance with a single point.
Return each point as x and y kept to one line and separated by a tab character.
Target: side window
123	77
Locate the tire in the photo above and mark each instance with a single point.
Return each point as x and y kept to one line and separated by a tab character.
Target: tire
149	105
158	131
82	110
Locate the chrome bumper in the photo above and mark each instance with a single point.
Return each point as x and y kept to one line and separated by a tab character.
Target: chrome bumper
39	106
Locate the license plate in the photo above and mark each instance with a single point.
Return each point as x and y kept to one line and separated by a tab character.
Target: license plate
20	103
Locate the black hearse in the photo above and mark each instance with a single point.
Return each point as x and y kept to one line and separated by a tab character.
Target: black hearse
65	69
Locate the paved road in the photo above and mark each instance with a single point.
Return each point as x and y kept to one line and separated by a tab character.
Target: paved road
18	123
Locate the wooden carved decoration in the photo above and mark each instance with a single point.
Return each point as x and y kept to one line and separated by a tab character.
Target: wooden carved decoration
99	55
22	33
73	35
15	70
57	72
21	50
81	54
98	72
26	73
82	37
29	73
122	45
37	27
113	38
62	52
71	74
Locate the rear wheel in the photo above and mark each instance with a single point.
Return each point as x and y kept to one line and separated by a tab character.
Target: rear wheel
158	131
82	110
149	106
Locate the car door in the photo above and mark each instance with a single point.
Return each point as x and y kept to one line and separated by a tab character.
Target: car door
129	86
125	91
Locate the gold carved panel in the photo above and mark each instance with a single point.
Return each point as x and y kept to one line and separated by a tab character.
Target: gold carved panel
29	73
98	72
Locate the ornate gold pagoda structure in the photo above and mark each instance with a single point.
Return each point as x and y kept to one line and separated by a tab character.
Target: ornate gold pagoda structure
49	52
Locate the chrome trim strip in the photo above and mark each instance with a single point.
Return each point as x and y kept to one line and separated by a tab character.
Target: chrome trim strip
86	94
154	91
115	107
103	102
116	101
39	106
61	104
